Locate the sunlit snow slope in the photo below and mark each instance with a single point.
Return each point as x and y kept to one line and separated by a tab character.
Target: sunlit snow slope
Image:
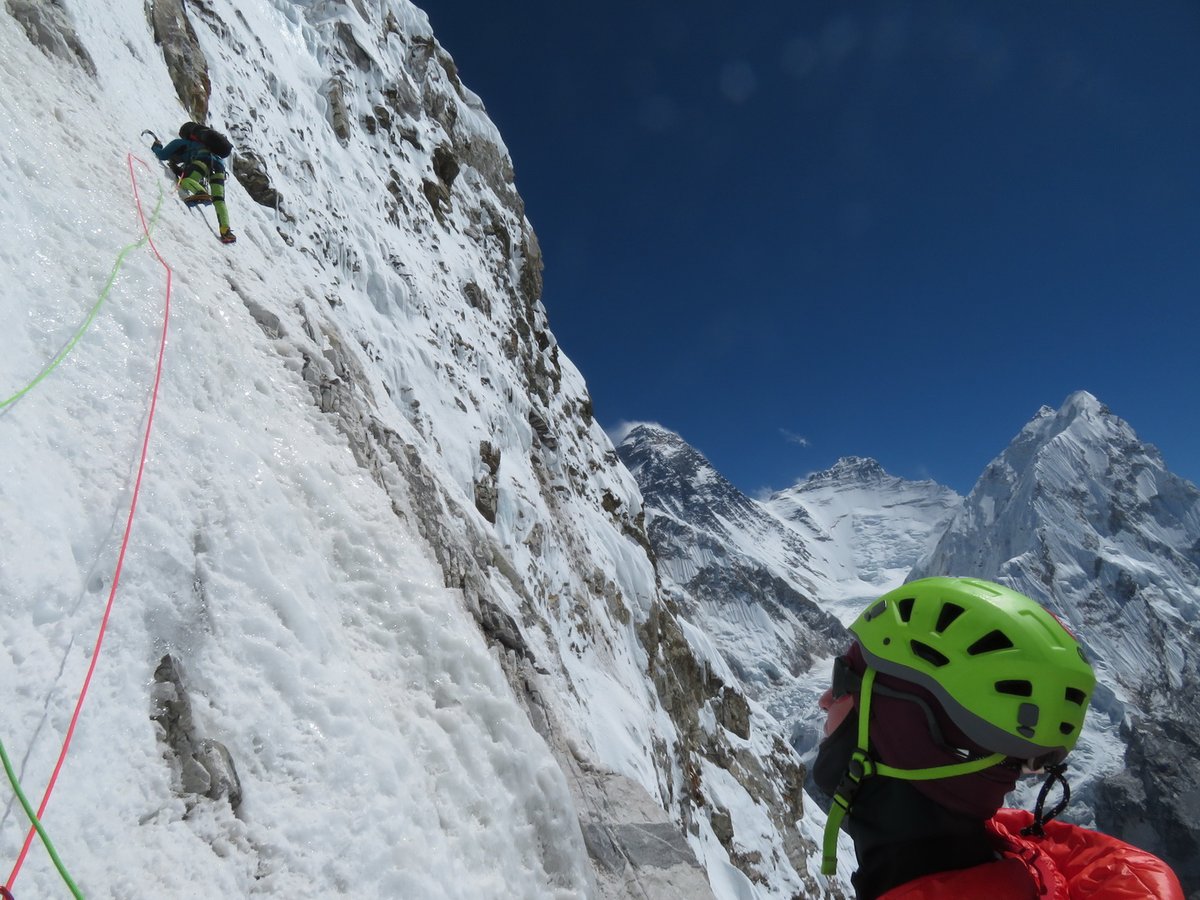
366	717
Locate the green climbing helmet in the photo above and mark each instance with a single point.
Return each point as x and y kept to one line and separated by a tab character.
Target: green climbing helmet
1006	671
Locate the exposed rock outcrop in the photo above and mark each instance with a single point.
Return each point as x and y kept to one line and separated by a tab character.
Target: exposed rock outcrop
251	172
1153	802
486	496
49	27
203	766
185	59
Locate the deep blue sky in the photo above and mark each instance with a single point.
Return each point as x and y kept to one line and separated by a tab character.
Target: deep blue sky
793	231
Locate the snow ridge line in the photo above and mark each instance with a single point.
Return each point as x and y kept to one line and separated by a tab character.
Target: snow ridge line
137	486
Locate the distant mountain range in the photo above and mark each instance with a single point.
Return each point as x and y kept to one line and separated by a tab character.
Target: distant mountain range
1076	512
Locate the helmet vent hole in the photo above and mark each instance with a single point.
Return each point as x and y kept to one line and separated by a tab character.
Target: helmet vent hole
990	643
1016	687
1076	696
950	612
875	611
1066	727
928	654
904	608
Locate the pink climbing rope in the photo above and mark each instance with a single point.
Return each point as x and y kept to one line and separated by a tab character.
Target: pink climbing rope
137	486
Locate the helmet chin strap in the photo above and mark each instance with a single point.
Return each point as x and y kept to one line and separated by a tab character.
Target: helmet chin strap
862	766
1040	816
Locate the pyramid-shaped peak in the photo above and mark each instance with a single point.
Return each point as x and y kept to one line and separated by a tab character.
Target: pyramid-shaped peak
638	432
1087	419
635	437
1081	415
1082	404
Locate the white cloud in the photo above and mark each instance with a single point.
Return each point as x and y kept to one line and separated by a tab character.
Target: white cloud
793	438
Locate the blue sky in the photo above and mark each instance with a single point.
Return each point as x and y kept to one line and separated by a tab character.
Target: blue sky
793	231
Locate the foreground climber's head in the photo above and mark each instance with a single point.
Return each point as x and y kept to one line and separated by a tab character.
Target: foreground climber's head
1006	672
951	687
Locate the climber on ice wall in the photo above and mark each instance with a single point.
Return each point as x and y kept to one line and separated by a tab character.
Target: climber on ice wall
196	156
952	689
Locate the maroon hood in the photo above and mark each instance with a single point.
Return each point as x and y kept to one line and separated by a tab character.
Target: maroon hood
902	736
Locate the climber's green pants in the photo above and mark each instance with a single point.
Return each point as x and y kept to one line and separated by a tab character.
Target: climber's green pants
196	180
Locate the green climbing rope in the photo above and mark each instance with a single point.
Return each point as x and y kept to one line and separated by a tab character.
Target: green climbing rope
79	332
16	786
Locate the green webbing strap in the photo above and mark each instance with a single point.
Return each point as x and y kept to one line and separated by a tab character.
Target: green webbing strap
16	786
863	766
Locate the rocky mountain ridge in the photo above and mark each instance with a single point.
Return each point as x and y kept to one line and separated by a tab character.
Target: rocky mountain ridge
773	581
709	541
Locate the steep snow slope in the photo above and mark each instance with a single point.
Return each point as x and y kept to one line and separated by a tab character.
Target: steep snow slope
400	568
365	714
1083	516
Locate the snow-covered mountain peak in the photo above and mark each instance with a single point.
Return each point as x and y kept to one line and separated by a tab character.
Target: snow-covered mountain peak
1086	421
1082	404
867	525
1081	435
1082	413
665	442
847	470
1080	514
671	470
640	431
1081	475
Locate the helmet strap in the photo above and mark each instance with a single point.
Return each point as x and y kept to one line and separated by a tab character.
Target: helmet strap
1040	816
863	766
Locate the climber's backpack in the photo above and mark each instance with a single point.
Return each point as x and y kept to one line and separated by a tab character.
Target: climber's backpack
215	142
